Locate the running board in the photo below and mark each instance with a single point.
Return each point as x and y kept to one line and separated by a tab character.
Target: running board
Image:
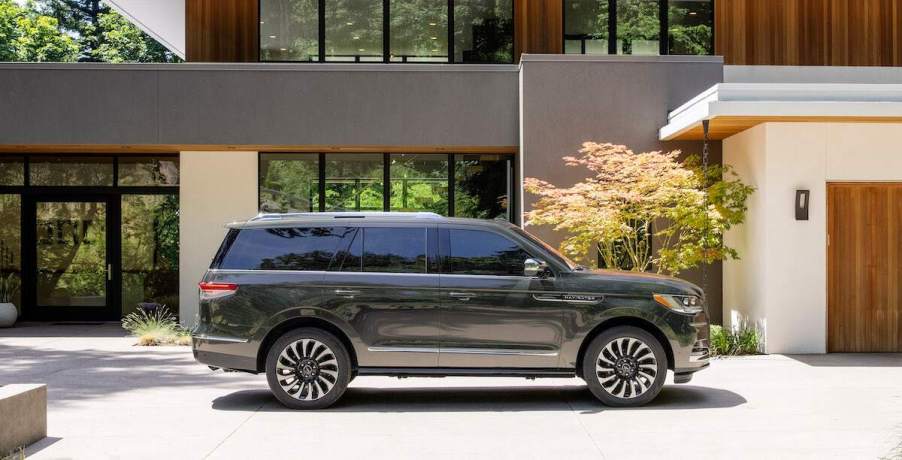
465	372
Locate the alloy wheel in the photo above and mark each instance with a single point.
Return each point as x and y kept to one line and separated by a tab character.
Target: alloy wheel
307	369
626	367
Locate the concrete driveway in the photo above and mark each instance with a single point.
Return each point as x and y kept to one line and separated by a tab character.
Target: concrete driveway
109	399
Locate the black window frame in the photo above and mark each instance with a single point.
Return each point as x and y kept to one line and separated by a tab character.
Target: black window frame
663	28
386	38
386	179
29	192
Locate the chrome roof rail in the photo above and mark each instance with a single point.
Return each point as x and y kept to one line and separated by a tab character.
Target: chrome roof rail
343	215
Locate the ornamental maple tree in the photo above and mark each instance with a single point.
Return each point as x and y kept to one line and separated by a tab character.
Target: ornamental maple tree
630	198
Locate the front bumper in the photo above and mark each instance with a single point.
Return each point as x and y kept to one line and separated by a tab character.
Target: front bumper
690	359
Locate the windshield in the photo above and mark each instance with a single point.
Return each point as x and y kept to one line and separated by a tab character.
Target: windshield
554	252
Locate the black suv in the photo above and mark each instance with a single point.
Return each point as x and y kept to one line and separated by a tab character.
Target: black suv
316	299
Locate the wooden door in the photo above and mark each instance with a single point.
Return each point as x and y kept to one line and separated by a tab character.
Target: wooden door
864	267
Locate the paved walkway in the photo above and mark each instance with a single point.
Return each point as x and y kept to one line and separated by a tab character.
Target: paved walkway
109	399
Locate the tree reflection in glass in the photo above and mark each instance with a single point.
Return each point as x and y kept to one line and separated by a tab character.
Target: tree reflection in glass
691	27
353	30
289	182
483	31
71	254
354	182
289	30
150	251
419	31
419	182
482	186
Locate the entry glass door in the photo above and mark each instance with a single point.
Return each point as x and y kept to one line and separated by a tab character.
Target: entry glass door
72	270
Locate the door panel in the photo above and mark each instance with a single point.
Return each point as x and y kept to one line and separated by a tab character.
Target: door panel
71	274
864	259
384	288
495	321
492	315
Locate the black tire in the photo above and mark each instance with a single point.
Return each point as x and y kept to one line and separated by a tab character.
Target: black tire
306	379
628	374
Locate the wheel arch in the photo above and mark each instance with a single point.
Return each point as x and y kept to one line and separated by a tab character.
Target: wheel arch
634	321
296	323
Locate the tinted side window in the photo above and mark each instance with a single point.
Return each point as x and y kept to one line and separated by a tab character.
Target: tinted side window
477	252
284	248
394	250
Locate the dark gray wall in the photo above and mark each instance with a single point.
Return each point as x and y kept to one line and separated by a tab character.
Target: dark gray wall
259	104
567	100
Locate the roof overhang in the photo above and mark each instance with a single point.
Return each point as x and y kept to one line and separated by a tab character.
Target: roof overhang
735	107
164	20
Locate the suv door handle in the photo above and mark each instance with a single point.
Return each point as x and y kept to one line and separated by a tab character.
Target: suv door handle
462	295
346	293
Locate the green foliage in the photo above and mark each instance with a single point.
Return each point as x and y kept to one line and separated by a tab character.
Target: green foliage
9	287
631	198
744	340
158	327
73	30
120	41
28	36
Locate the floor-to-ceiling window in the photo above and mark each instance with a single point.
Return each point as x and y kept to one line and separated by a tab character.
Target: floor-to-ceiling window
439	31
88	237
465	185
638	27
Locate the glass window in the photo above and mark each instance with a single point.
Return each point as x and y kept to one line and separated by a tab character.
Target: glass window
354	182
12	171
638	27
71	253
11	249
66	170
289	182
482	185
483	31
419	31
477	252
308	249
289	30
150	251
419	182
586	27
691	24
148	171
352	256
394	250
354	30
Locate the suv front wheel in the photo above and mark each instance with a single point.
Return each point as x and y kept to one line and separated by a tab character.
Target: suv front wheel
625	367
308	368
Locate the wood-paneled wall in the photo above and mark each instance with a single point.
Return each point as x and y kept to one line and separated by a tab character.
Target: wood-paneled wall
221	30
864	263
538	27
809	32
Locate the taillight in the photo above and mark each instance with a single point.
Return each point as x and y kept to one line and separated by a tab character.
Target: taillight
210	290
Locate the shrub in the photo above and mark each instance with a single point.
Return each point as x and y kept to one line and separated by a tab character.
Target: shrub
743	340
157	327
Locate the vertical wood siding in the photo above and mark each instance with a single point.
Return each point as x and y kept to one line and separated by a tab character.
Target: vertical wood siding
864	268
809	32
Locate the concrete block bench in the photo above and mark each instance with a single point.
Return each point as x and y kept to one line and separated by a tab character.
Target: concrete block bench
23	416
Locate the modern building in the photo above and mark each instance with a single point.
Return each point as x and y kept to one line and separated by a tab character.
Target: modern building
116	180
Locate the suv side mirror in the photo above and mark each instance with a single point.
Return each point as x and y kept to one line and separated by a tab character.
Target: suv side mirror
535	268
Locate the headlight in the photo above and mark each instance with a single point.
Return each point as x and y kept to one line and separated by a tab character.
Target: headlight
688	304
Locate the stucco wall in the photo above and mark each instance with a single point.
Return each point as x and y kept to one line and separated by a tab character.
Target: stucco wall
567	100
784	284
216	188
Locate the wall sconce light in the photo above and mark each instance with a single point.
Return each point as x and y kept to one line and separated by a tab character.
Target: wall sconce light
802	204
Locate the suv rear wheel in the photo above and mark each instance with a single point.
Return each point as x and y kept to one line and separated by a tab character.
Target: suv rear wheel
625	366
308	368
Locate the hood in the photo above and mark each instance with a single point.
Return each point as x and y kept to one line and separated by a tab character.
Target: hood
626	281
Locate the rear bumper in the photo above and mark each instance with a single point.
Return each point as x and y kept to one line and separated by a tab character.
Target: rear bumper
225	352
